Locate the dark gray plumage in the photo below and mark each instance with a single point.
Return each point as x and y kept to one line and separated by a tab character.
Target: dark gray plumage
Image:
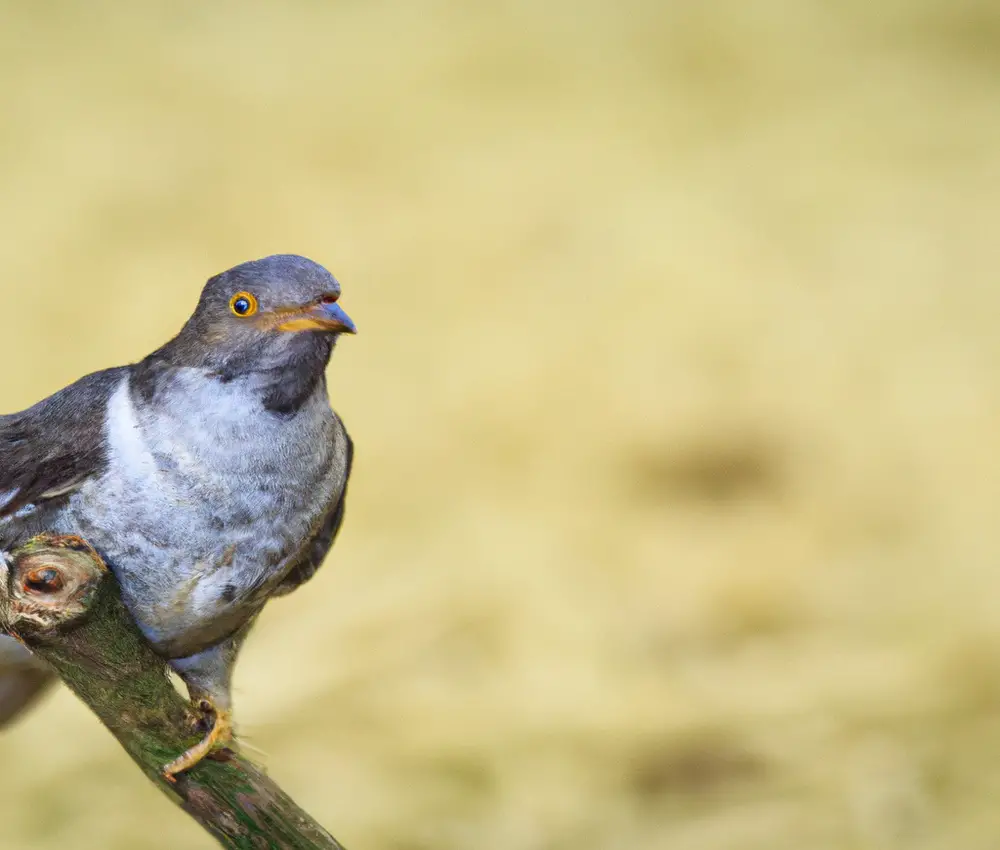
23	678
211	475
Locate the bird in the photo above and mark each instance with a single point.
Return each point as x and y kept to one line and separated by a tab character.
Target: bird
210	476
23	679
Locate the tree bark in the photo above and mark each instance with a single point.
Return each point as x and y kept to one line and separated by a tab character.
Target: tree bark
58	597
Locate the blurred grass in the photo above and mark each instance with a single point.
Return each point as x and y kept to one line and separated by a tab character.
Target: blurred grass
675	400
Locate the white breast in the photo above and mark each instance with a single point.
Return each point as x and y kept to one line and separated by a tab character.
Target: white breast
205	491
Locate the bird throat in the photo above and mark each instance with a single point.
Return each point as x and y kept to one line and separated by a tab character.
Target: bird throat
283	370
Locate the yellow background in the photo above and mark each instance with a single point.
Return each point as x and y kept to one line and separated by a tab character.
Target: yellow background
676	401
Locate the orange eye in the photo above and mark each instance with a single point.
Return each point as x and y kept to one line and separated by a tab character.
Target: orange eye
243	304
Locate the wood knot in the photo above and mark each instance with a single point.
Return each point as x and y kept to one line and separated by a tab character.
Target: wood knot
48	583
43	580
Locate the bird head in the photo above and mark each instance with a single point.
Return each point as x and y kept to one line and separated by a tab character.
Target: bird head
263	315
276	295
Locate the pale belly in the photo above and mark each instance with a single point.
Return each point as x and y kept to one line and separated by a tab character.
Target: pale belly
191	571
199	527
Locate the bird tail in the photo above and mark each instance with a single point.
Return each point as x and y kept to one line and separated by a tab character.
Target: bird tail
23	679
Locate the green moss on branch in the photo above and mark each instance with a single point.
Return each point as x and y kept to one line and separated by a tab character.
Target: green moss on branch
62	602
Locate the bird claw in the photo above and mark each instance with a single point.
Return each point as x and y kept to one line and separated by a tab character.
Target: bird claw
217	735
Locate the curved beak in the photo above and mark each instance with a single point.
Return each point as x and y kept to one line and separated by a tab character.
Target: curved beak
324	316
337	320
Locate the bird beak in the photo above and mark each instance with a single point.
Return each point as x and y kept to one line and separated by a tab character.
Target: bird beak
319	317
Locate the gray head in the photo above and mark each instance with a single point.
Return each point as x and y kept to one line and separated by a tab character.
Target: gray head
254	311
277	316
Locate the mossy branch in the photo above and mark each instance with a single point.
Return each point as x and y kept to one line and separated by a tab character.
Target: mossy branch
58	597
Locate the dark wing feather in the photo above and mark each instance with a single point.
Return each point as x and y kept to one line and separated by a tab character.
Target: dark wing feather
49	450
318	546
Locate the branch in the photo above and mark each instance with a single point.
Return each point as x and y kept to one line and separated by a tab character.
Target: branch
58	597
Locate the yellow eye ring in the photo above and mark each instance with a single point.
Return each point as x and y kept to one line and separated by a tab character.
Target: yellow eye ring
243	304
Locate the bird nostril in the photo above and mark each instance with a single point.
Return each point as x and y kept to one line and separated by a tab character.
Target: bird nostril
329	298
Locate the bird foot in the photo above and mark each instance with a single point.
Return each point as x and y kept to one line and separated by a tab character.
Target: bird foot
218	735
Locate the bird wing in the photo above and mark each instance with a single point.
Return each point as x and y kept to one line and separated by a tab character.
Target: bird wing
315	550
51	449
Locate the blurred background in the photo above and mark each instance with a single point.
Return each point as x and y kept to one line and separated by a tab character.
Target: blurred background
676	402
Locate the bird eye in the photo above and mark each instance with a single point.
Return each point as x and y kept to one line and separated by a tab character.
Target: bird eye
329	298
243	304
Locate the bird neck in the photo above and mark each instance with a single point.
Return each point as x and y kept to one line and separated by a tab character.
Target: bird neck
284	376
